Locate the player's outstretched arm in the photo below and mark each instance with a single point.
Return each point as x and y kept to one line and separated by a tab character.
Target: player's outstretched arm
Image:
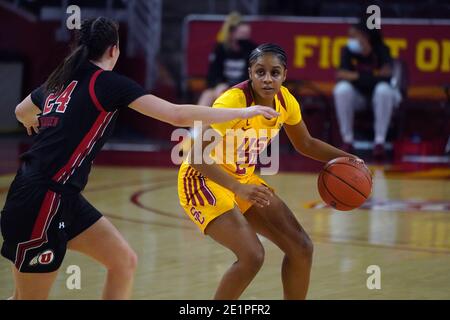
27	114
185	115
311	147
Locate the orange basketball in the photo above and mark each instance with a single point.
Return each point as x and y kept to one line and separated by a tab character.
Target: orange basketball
344	183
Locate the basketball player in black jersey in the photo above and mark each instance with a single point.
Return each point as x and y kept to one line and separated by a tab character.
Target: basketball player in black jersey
73	114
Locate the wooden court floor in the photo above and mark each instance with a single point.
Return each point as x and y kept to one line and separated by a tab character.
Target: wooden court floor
405	232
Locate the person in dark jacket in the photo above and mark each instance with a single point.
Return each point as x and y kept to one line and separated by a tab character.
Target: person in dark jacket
228	62
364	78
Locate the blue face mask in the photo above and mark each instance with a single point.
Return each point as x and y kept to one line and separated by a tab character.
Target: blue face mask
354	45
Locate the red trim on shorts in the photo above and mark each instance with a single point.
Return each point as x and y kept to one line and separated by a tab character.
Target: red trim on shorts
190	194
43	215
47	211
196	190
186	192
187	185
190	187
206	191
97	103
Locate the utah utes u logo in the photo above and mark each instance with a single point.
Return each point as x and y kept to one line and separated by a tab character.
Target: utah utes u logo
46	257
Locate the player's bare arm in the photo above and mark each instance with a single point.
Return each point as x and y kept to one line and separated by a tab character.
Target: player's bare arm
27	114
311	147
185	115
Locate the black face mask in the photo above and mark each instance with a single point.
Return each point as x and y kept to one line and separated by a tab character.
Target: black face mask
244	43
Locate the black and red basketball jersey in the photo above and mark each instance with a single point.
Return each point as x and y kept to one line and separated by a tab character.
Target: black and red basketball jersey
75	123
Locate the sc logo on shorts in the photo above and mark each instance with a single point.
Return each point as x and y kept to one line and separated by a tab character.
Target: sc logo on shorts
197	215
45	257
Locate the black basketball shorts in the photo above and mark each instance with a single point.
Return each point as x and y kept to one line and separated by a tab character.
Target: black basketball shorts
37	222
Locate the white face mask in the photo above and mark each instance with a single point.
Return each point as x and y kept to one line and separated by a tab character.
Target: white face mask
354	45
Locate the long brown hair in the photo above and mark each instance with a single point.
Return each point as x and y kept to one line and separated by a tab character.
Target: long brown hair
91	41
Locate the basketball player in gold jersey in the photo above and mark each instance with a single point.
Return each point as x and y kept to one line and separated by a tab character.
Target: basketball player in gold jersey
231	204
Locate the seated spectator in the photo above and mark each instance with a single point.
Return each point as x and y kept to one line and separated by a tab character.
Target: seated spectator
364	78
228	63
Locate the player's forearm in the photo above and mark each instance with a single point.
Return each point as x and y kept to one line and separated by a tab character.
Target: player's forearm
190	113
22	116
26	111
182	115
322	151
185	115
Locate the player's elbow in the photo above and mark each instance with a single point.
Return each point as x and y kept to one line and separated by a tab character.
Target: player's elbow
305	146
180	118
19	112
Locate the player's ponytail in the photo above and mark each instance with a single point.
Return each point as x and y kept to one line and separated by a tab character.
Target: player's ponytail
94	37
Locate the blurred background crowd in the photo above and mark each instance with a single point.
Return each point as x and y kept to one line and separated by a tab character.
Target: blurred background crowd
381	93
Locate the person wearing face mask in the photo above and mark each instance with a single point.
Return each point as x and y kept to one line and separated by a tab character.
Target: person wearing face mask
228	62
364	78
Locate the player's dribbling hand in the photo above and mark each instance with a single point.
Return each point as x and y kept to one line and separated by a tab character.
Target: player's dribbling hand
31	124
356	159
256	194
253	111
359	160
